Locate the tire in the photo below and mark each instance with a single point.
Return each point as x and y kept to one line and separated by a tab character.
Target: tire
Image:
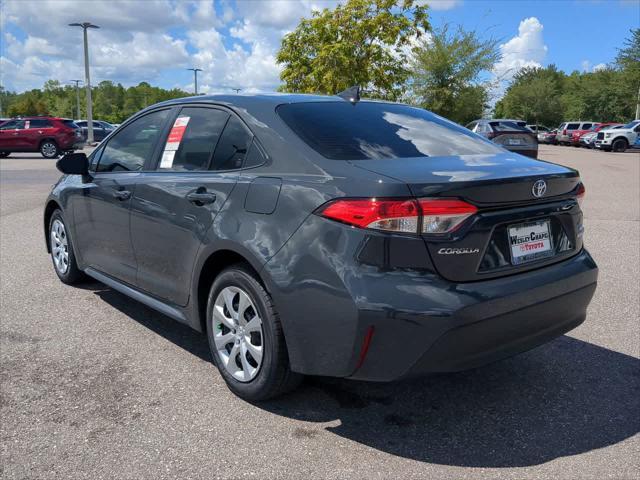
619	145
254	379
4	154
49	149
62	255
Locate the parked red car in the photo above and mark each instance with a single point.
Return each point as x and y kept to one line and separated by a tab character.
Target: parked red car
596	127
51	136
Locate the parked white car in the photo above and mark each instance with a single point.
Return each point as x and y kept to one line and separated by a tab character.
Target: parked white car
620	139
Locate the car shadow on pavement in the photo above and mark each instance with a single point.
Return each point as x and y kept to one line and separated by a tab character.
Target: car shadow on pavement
179	334
564	398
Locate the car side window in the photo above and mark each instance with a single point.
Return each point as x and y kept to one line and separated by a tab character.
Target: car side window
13	125
196	132
256	155
129	149
40	123
232	147
586	126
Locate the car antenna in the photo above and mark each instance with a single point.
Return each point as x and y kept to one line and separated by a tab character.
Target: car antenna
351	94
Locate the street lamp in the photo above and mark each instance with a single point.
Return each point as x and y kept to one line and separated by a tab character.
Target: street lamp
76	82
87	81
195	77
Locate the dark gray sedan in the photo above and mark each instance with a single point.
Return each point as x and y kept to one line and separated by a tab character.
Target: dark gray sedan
313	235
514	135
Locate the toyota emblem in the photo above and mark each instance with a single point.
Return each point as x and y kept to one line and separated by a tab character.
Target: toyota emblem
539	188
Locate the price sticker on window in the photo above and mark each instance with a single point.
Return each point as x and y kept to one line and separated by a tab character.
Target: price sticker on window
176	133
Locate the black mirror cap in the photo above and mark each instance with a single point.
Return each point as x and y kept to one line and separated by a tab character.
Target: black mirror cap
73	164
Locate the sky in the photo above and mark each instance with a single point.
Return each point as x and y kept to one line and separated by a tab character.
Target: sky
235	42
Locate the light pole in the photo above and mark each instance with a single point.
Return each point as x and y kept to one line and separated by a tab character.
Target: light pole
78	117
195	77
87	79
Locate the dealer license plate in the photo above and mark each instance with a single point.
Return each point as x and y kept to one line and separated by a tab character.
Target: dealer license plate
530	241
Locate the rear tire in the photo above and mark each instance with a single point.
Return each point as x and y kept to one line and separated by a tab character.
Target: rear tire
619	145
62	255
49	149
242	320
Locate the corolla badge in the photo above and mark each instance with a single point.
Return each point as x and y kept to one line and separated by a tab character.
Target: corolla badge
539	188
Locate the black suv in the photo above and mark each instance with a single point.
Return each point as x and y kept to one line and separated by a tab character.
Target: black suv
322	236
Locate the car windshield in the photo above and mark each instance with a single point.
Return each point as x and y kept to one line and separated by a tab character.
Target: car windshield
374	130
508	126
630	125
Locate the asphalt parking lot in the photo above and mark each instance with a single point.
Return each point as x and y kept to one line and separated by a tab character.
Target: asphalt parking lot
94	385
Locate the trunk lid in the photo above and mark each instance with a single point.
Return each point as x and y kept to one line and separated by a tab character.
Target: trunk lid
502	187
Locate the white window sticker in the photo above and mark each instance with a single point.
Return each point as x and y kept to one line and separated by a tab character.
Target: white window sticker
167	158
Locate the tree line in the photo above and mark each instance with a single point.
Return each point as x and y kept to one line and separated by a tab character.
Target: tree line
112	102
390	49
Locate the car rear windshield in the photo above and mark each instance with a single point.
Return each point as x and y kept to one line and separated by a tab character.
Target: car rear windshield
508	127
374	130
69	123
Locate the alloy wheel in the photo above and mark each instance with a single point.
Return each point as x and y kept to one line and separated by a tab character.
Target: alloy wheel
49	149
59	247
238	333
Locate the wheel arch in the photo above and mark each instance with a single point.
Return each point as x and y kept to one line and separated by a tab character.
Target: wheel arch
214	263
52	206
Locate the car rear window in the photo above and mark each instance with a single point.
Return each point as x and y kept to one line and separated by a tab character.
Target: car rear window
374	130
70	123
508	127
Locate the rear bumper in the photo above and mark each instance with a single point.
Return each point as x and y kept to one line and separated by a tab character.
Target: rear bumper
487	321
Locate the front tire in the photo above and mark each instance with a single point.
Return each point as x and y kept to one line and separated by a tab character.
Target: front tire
62	255
619	145
49	149
245	337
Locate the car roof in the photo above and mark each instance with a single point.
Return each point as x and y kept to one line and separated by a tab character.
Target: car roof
499	120
259	101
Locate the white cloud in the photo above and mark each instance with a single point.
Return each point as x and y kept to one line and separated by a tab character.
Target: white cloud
600	66
527	49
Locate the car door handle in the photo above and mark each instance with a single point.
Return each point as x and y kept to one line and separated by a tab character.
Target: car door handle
122	194
201	198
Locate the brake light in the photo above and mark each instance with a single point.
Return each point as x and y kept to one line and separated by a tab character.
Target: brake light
438	216
380	214
580	194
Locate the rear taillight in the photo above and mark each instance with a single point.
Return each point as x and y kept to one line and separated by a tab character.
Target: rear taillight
444	216
580	194
426	215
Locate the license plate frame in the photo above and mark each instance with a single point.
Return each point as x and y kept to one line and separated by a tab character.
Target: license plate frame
530	241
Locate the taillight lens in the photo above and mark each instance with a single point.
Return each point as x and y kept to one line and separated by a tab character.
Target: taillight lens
444	216
438	216
380	214
580	194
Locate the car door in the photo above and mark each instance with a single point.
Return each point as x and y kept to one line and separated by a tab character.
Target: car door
10	138
101	209
174	207
35	130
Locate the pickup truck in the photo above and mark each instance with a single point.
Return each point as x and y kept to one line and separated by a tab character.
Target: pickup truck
618	140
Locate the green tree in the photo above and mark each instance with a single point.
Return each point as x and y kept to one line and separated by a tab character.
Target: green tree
362	42
534	95
446	70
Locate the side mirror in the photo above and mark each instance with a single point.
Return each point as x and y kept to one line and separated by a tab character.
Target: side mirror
73	164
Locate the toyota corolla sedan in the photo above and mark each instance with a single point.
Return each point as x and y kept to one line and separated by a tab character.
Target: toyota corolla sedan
316	235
